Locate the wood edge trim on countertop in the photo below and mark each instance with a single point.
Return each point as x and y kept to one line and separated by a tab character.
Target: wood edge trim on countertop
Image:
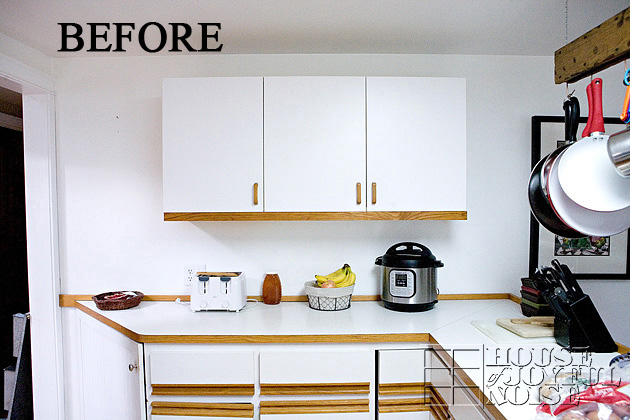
125	331
68	301
284	339
622	349
514	298
314	216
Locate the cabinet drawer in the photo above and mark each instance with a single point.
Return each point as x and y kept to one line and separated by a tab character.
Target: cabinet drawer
308	373
202	373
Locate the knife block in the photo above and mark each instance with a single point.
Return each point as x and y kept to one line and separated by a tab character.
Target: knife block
582	329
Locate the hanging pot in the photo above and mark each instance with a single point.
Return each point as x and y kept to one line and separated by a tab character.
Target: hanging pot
585	171
538	200
582	219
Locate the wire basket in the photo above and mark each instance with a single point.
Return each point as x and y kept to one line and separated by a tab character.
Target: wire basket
328	299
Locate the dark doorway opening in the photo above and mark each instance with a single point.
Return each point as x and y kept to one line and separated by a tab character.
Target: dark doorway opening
13	264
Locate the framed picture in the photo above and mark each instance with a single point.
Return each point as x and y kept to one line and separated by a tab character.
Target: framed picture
589	257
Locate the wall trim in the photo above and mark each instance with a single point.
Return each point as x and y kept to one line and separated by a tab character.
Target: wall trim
23	78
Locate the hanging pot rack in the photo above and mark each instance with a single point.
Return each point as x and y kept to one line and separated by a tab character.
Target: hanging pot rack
601	47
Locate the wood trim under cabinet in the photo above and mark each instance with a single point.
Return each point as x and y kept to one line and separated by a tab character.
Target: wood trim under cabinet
312	216
315	406
202	389
315	389
175	408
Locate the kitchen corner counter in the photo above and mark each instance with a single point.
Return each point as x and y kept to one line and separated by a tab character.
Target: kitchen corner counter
174	322
448	328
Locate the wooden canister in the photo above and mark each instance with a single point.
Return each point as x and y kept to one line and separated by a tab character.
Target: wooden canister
272	289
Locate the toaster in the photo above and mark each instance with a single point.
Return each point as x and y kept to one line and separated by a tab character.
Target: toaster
218	291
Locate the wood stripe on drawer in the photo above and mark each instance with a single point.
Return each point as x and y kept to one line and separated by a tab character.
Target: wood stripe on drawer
315	406
438	406
400	405
403	388
202	389
168	408
315	389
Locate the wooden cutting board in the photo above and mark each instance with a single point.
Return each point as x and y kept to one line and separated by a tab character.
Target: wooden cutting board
528	327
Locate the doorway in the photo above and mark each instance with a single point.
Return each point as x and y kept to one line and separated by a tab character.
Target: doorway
13	262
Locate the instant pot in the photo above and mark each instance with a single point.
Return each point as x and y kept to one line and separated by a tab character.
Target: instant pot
409	277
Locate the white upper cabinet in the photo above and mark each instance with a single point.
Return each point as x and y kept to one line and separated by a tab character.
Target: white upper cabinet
212	144
416	143
314	144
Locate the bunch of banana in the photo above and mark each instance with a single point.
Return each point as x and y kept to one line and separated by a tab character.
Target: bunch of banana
338	278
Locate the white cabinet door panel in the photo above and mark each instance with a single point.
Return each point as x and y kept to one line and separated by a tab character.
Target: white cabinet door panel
316	367
201	367
416	143
314	143
212	144
402	366
106	377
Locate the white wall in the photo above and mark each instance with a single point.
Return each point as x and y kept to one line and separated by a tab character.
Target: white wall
112	233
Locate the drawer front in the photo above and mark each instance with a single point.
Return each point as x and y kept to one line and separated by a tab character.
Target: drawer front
331	372
201	373
202	367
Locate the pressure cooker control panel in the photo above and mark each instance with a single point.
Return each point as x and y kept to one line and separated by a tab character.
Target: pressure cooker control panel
402	283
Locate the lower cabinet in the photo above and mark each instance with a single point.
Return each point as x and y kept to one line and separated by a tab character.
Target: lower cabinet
362	381
111	373
184	382
421	384
314	385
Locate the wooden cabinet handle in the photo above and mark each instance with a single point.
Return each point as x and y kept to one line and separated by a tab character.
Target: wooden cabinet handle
358	193
373	192
255	193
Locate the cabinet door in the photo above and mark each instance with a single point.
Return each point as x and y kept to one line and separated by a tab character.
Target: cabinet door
314	143
112	373
416	143
197	373
212	144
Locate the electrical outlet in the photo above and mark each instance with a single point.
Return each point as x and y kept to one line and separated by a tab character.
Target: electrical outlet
190	272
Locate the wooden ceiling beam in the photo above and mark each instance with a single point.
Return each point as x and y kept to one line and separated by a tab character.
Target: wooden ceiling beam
601	47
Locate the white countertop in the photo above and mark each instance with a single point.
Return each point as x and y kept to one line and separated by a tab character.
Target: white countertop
449	323
153	318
